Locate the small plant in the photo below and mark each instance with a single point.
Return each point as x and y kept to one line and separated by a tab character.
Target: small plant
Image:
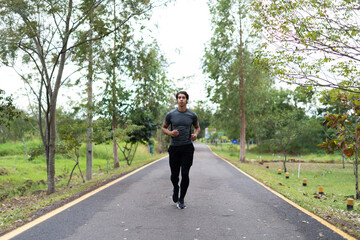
232	148
325	172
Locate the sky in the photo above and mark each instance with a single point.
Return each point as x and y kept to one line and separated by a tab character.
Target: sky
183	28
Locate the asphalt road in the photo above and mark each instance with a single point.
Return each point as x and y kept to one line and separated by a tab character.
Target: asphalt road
222	203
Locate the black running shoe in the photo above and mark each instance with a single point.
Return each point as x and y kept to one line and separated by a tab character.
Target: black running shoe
181	204
175	196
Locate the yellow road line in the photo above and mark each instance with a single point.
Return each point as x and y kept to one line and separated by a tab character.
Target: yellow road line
319	219
72	203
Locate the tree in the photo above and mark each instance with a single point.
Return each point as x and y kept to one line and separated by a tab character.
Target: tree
137	129
84	57
279	119
164	140
286	126
22	128
8	112
232	72
347	125
125	59
114	107
42	35
205	116
103	135
312	132
151	86
141	117
72	134
148	75
124	134
311	43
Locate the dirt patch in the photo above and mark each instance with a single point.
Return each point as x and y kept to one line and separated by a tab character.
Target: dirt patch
348	221
3	172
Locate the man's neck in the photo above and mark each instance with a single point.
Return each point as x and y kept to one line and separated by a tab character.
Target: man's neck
182	109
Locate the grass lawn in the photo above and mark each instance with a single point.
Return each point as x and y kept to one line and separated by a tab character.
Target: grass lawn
338	184
19	175
232	151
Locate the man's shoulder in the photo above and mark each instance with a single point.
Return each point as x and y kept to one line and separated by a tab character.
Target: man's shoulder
192	113
172	111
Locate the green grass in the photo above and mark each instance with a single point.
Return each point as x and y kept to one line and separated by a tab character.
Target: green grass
338	183
231	150
17	148
18	175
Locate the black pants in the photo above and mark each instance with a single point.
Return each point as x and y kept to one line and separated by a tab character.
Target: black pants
181	157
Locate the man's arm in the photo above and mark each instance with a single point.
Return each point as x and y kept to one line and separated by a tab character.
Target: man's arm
165	130
196	132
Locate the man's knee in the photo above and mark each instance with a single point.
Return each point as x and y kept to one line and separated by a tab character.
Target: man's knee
185	175
174	178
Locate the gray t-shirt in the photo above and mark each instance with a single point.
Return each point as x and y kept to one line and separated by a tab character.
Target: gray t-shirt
182	122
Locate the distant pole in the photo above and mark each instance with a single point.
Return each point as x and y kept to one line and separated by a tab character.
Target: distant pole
242	99
89	145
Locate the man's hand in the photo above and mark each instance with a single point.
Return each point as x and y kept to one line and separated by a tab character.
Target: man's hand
196	132
174	133
193	137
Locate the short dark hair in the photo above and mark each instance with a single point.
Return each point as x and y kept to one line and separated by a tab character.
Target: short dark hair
183	92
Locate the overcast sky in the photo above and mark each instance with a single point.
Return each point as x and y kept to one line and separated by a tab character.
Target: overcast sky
183	29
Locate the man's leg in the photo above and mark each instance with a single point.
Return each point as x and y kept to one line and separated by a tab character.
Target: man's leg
186	163
175	164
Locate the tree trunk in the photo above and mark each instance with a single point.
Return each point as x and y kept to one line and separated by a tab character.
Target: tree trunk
23	141
356	171
45	137
248	145
51	103
343	160
72	171
3	134
115	150
114	126
356	164
89	146
159	140
242	102
285	170
89	153
51	127
51	150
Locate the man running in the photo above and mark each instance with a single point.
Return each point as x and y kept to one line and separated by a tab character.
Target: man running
181	150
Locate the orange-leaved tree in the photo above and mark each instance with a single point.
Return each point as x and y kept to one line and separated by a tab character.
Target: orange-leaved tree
347	125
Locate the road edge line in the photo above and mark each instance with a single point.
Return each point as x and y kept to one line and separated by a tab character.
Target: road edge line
319	219
48	215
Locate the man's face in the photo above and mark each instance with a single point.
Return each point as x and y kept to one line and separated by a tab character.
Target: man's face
181	100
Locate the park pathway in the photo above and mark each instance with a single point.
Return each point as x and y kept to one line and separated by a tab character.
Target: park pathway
222	204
